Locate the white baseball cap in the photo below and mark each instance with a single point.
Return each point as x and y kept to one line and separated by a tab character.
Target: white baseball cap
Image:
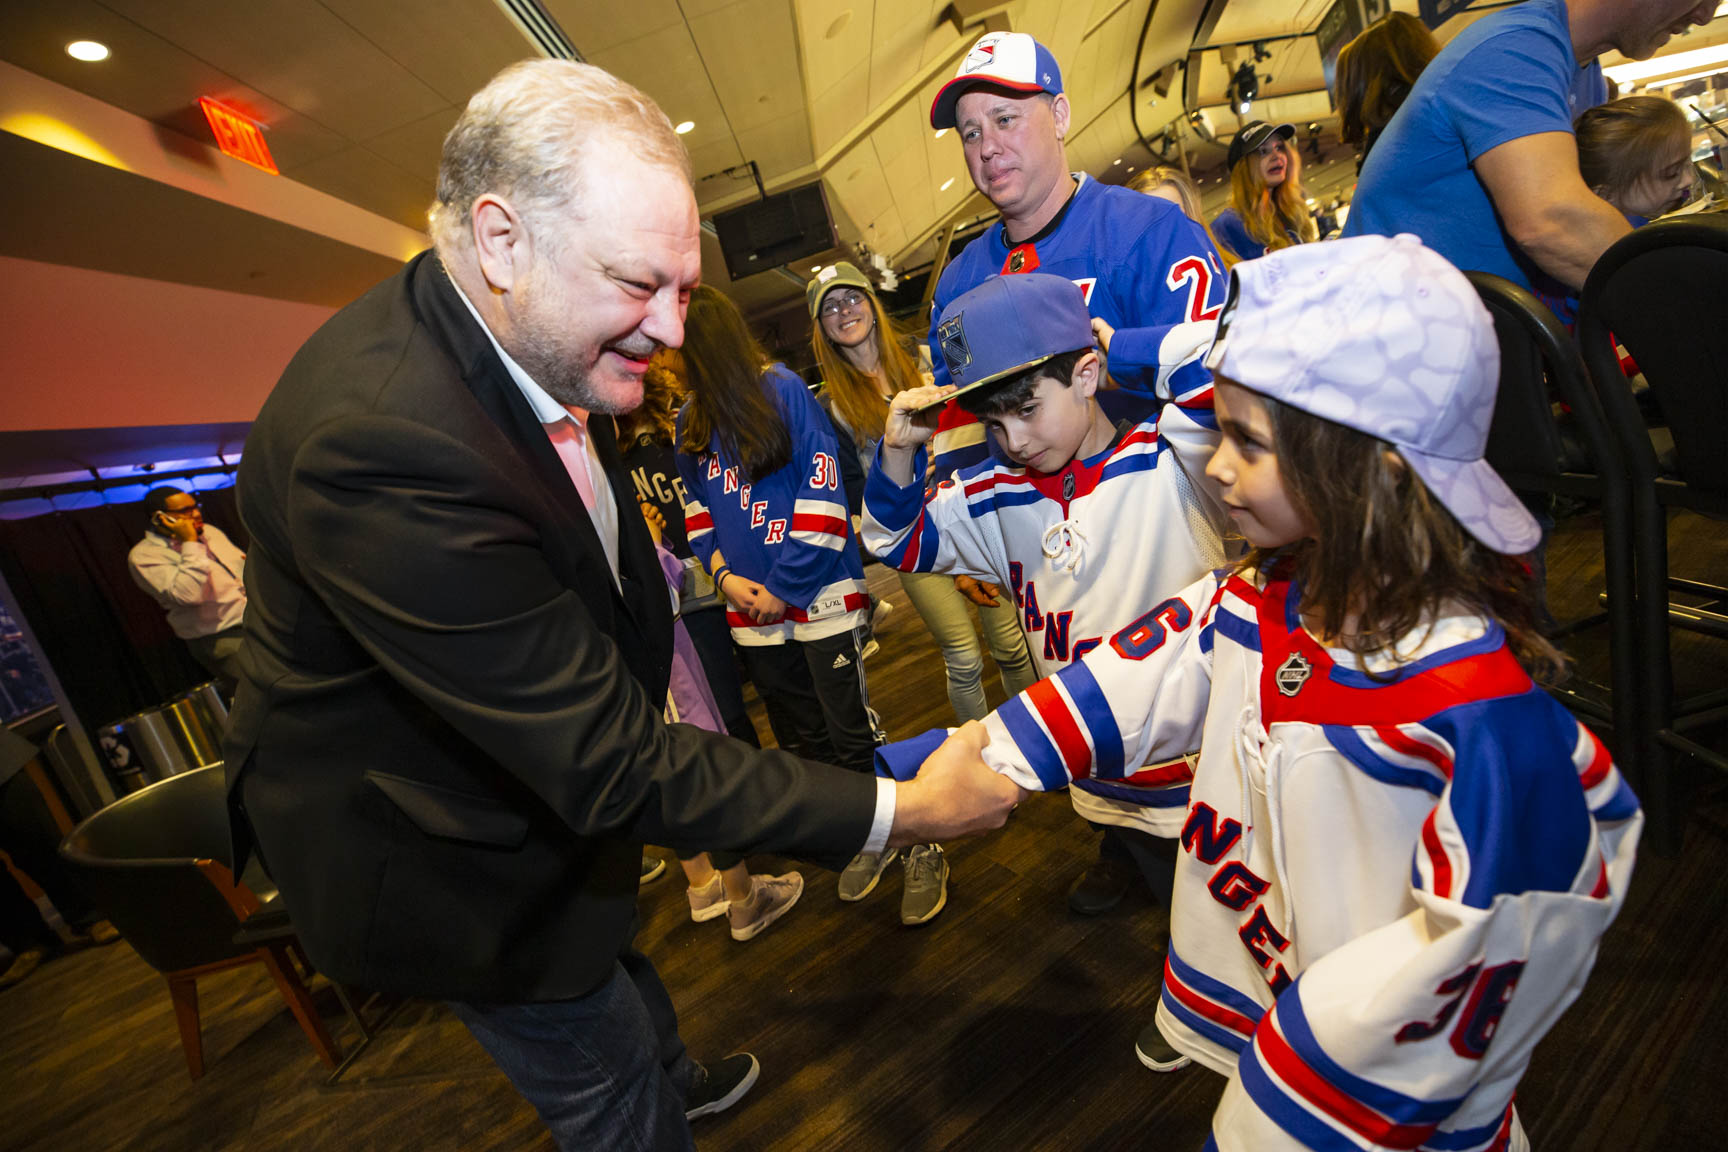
1384	336
1011	60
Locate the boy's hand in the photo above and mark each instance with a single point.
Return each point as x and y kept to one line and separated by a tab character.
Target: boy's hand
1102	332
980	592
954	793
906	429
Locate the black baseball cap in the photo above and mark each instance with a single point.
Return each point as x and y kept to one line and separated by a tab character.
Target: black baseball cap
1253	134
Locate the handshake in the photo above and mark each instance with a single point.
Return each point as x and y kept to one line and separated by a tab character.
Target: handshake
954	793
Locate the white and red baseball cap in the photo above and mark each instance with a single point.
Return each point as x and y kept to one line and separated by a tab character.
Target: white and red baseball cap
1011	60
1384	336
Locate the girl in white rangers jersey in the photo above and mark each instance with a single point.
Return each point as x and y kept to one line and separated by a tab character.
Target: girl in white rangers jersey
1399	853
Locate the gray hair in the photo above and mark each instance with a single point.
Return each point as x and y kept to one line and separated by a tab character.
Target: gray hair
524	137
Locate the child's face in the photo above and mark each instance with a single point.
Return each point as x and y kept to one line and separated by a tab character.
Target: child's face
1664	188
1046	432
1246	469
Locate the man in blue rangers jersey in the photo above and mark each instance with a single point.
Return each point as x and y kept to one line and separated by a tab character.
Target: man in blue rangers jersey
1141	265
1140	262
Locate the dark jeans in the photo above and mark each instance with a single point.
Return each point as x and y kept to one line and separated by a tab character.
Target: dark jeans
815	696
606	1070
30	836
1154	856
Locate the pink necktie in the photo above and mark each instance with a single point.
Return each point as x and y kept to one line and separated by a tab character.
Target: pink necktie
570	440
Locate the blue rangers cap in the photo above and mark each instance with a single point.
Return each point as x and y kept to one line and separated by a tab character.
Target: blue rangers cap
1009	324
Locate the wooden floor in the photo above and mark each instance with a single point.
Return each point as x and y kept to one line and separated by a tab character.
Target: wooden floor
1006	1024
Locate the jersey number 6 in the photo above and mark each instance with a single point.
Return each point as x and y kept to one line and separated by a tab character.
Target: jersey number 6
1146	635
1488	996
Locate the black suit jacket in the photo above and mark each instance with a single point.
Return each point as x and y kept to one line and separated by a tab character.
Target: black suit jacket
447	740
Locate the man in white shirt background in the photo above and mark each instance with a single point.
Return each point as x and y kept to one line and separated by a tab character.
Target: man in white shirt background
196	574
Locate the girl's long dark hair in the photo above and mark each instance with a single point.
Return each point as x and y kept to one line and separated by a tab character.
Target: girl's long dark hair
723	364
1386	556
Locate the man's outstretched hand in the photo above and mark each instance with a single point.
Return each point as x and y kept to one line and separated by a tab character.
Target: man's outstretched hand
954	793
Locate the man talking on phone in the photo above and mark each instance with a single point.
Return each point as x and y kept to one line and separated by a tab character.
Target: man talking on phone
195	573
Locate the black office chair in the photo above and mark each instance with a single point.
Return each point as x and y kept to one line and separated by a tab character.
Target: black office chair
150	861
1663	293
1535	453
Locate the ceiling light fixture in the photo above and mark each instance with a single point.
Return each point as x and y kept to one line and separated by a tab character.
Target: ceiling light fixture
1675	62
1118	160
684	127
88	51
941	132
946	184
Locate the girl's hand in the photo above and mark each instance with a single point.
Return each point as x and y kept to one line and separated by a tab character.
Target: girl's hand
1102	332
656	522
749	598
906	429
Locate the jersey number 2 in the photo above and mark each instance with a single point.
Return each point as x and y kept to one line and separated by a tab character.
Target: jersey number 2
1193	272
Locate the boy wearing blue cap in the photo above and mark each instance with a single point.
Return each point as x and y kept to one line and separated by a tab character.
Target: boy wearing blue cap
1086	523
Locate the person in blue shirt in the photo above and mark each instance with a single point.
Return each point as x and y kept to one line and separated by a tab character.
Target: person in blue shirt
1480	161
1267	208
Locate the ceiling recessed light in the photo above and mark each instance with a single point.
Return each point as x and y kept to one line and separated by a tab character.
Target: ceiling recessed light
87	50
684	127
946	184
1130	169
1118	160
815	267
941	132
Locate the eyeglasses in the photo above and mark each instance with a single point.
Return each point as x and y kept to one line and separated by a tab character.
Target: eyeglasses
183	509
838	302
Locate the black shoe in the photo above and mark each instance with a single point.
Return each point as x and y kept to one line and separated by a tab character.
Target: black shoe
719	1086
1156	1053
1100	888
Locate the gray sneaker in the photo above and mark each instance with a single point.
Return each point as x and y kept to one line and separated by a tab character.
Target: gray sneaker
926	884
859	878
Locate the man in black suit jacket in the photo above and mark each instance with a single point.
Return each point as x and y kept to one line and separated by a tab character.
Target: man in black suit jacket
447	744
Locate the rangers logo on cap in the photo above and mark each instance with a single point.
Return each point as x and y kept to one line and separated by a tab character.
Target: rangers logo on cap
955	351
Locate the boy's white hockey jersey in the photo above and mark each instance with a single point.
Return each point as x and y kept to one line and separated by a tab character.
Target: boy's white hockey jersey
1388	890
1082	551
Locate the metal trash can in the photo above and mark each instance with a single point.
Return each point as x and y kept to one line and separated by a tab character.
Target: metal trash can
198	719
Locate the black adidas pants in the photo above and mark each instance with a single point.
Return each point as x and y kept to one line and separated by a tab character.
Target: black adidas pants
816	698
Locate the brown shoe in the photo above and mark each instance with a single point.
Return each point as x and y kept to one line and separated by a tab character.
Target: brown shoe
22	965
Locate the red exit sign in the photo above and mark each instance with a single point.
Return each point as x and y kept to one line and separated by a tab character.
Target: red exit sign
238	136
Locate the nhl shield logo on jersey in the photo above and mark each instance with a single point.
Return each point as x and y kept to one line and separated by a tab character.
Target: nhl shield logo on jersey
955	351
1292	674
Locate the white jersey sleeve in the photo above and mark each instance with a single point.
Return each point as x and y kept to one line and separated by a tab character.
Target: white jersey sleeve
940	533
1414	1035
1140	698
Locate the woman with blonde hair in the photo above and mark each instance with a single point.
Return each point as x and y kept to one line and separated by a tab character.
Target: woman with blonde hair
1174	185
1267	210
865	363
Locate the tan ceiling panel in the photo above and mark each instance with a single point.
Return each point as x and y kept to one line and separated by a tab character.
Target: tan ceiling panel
841	107
708	159
594	27
666	65
415	148
778	146
360	176
455	46
1252	19
299	53
897	45
752	59
834	35
859	185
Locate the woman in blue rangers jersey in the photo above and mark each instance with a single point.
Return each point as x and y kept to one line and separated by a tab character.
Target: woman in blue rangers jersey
1400	853
765	513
